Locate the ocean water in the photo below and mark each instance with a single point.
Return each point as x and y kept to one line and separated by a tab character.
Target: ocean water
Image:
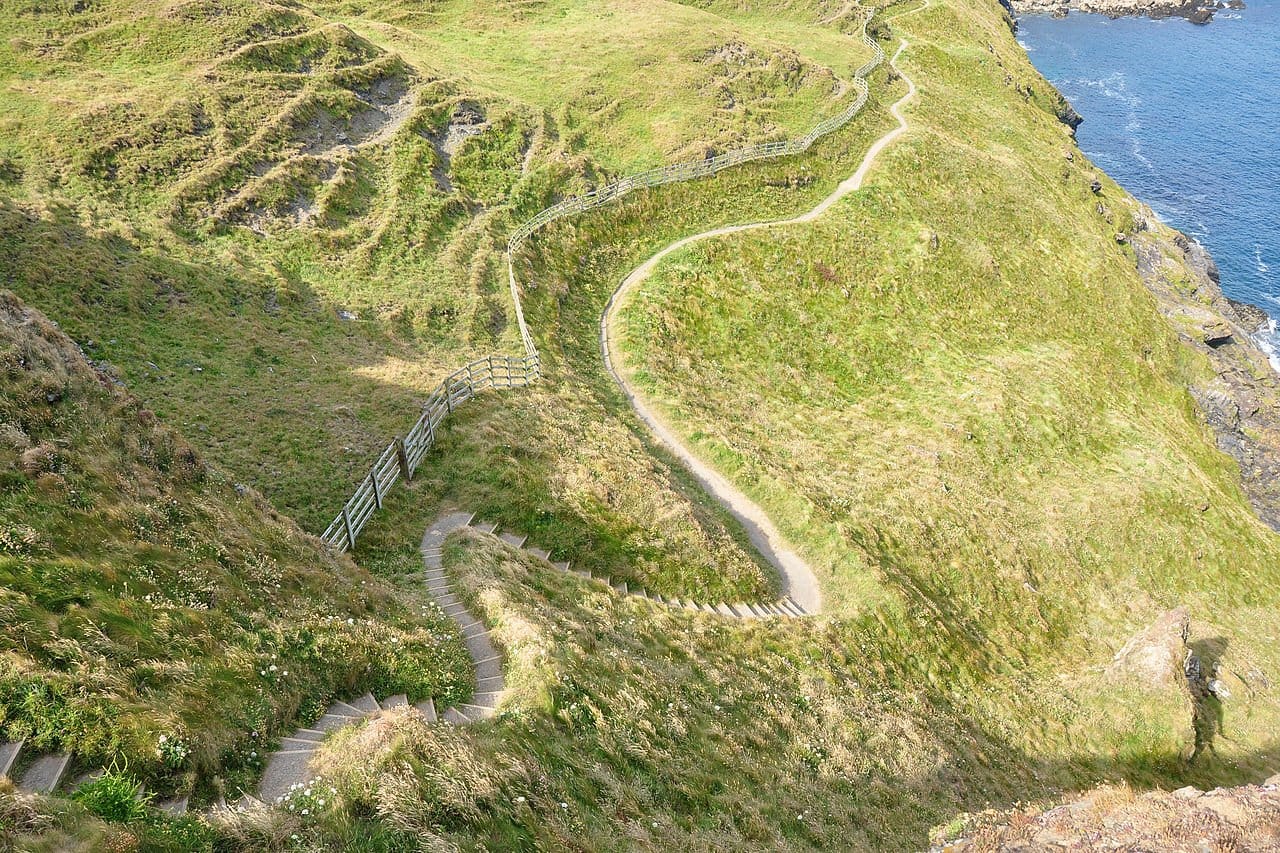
1187	118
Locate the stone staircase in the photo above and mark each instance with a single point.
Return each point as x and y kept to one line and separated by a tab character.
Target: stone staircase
784	607
290	765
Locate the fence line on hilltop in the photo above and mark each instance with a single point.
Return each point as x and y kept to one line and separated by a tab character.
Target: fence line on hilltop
402	456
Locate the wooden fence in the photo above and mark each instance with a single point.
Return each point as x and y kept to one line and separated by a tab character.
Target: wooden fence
403	455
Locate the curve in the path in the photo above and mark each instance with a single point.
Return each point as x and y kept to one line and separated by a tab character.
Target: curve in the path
799	581
289	768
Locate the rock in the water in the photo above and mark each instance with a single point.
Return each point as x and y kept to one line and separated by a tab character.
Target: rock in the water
1154	657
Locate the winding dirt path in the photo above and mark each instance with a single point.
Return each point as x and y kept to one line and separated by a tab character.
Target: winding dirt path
798	578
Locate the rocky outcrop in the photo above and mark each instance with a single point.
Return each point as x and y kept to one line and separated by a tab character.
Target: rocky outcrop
1154	657
1196	11
1241	402
1118	818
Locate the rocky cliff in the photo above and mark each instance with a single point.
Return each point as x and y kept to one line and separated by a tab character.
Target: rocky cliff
1240	401
1196	11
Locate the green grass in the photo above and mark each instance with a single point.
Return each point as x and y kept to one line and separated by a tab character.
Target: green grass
955	396
985	446
145	142
158	617
631	726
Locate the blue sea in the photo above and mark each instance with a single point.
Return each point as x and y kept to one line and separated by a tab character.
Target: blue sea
1187	118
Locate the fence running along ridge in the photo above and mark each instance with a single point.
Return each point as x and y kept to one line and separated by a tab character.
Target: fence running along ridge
402	456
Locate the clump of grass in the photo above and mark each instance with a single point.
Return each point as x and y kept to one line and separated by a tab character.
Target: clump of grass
115	796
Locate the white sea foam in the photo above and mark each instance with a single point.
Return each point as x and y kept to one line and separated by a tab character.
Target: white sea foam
1269	342
1258	261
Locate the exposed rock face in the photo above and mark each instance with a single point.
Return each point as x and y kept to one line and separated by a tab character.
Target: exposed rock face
1196	11
1118	818
1154	657
1241	402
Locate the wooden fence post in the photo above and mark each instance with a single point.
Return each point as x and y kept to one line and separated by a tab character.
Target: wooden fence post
403	456
377	492
346	522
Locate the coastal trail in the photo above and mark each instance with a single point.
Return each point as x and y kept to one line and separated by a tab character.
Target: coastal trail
799	581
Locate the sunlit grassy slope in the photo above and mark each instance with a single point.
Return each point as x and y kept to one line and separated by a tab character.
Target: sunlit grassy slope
957	398
631	726
200	192
145	596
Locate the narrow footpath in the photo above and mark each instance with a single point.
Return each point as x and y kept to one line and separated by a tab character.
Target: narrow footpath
800	584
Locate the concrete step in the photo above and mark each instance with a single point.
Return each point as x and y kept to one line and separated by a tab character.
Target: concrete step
488	667
308	734
476	712
433	561
689	604
539	553
480	647
488	685
757	610
723	610
427	709
707	608
621	586
741	611
443	526
175	805
564	567
672	602
642	592
85	778
475	629
488	699
448	600
397	701
342	709
9	752
455	717
485	526
438	586
515	539
586	573
456	609
333	722
795	609
44	774
366	703
435	575
293	743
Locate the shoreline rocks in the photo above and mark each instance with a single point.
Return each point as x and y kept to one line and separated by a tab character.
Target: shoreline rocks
1240	403
1195	11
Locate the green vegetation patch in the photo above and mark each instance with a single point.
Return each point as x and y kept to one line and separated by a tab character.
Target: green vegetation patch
158	615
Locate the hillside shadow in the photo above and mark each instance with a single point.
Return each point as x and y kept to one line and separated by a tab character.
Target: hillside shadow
254	366
1209	713
998	775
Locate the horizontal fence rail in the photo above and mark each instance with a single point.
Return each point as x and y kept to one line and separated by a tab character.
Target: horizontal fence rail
402	456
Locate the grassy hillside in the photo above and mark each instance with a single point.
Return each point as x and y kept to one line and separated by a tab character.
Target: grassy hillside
952	393
281	224
157	616
635	727
957	398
